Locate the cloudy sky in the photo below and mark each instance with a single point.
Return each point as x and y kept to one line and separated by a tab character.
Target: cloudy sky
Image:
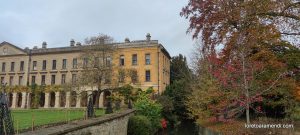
27	23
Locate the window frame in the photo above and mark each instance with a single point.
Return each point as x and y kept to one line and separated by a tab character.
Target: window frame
44	66
64	64
33	80
34	65
122	60
20	80
22	65
146	59
3	66
149	76
53	79
75	63
43	79
134	59
12	66
54	62
63	78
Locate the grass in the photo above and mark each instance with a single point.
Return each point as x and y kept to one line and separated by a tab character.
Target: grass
23	118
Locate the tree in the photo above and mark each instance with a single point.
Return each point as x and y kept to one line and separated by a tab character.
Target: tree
174	97
98	69
179	68
246	32
97	61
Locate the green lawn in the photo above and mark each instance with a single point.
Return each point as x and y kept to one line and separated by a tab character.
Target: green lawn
23	118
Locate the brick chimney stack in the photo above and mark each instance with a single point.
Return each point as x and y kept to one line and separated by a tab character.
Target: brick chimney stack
72	42
148	37
44	45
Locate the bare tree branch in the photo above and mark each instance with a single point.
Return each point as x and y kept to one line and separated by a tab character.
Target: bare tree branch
293	34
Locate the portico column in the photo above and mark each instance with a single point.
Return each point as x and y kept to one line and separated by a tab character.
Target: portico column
28	100
68	94
23	100
78	100
101	99
47	96
57	100
14	100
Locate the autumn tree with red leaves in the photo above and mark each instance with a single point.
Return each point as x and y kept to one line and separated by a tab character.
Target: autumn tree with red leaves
242	43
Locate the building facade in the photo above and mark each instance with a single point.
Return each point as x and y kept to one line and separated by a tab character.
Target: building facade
57	66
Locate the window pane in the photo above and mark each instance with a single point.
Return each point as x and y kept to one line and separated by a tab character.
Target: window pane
148	76
43	80
122	60
74	63
44	64
3	67
12	66
134	59
54	64
53	79
64	65
85	62
20	80
63	79
32	80
147	59
22	66
34	65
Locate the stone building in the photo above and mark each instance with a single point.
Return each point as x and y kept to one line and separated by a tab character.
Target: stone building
57	66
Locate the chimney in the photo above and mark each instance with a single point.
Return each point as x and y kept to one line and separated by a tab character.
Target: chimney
148	37
26	49
72	42
44	45
127	40
78	44
102	41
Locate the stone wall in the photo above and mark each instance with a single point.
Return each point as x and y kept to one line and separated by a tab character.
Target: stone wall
112	124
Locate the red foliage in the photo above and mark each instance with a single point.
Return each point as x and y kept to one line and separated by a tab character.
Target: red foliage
163	123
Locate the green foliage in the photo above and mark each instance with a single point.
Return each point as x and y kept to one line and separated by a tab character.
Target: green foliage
174	97
149	90
149	108
139	125
179	68
296	113
178	91
168	110
36	95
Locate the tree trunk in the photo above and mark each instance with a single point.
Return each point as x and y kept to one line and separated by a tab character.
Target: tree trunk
246	87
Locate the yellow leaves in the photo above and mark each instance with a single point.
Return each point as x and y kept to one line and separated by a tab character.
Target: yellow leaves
54	88
17	89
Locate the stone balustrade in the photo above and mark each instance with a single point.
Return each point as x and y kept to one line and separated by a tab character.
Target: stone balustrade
111	124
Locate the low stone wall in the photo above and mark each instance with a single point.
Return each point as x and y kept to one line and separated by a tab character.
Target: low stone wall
112	124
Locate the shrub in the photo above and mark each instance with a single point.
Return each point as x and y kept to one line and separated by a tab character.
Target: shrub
149	108
168	110
296	113
139	125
